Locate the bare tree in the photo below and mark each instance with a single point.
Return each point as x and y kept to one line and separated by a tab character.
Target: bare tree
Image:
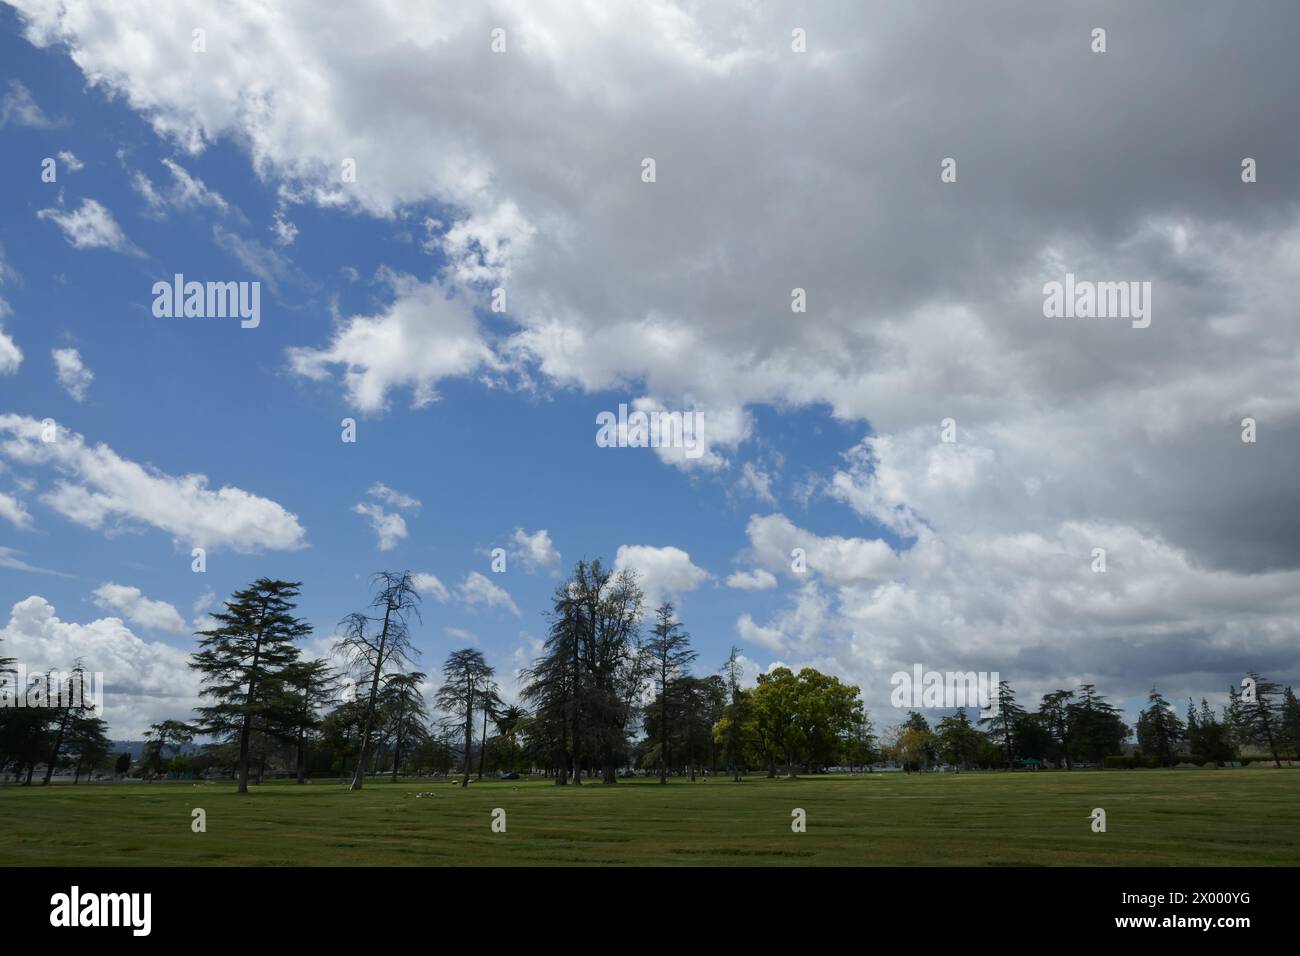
373	643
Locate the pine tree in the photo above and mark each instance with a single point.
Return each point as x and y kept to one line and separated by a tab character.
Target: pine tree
1002	724
1159	729
466	674
242	660
1262	717
669	648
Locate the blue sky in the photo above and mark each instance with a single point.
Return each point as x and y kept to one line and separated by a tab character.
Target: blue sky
823	428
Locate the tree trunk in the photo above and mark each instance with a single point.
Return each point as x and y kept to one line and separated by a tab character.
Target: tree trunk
482	749
359	777
302	755
469	735
58	744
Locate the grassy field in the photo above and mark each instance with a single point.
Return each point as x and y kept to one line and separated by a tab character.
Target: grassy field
1184	818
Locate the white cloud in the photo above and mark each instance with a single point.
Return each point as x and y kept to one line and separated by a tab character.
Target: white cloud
424	335
261	260
97	488
9	559
756	483
185	191
427	583
389	527
70	161
751	633
755	580
18	107
72	372
13	511
664	573
11	356
131	603
395	498
143	681
462	635
91	226
1063	426
478	589
534	551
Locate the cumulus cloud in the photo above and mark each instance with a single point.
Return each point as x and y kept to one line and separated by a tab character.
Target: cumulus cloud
534	551
755	580
70	161
479	589
429	584
131	603
72	372
423	336
664	573
924	304
143	681
99	489
90	226
390	527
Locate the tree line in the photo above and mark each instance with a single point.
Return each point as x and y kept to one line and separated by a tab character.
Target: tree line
612	689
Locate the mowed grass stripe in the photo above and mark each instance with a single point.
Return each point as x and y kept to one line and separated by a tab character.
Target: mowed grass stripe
1184	818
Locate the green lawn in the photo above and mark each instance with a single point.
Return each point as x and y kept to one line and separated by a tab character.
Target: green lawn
1181	817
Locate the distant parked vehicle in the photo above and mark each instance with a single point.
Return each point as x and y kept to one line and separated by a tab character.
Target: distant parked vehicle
510	776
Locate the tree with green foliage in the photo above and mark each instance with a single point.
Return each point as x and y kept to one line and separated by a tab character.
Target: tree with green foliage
1095	728
1004	722
159	736
310	686
669	650
1261	716
735	714
88	742
72	704
1159	729
958	740
466	674
241	660
401	703
1054	715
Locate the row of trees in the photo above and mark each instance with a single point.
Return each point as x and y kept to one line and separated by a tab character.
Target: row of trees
602	696
57	726
1265	718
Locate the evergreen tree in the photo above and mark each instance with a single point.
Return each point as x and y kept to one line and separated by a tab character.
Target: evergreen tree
1054	715
1004	721
241	660
1159	730
1262	717
669	650
466	675
1096	729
